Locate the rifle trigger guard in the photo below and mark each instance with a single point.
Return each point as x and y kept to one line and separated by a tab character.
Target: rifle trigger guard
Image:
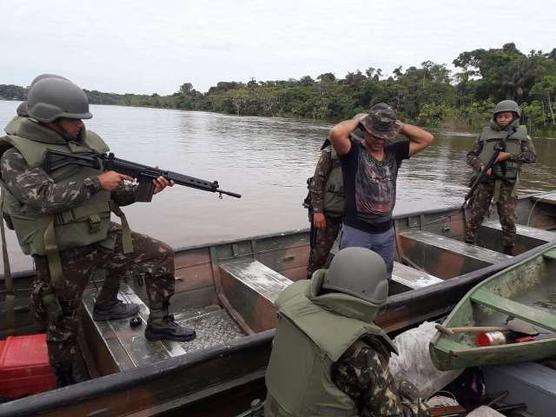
220	196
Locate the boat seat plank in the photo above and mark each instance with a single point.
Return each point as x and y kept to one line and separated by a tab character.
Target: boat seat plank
411	277
545	198
456	246
258	277
533	315
250	288
522	230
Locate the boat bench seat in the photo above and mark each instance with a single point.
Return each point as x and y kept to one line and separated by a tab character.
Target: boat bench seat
455	246
530	314
522	230
250	288
545	198
412	278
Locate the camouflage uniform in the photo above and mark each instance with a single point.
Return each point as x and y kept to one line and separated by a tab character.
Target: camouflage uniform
362	373
324	239
154	259
506	200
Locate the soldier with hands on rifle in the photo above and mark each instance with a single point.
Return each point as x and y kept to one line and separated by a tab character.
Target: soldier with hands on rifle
326	196
62	219
496	157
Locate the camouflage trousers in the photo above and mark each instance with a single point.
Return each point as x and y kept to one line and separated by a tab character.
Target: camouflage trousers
479	206
153	259
322	244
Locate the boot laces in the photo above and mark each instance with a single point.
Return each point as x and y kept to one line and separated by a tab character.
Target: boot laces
171	320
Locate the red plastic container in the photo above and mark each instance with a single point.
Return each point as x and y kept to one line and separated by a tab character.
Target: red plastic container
24	367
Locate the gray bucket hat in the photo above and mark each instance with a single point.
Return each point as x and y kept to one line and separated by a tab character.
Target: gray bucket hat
381	122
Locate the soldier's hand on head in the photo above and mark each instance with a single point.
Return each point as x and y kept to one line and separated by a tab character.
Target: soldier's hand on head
319	221
111	180
161	183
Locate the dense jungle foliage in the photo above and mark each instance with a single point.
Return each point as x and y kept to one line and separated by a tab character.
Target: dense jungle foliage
431	95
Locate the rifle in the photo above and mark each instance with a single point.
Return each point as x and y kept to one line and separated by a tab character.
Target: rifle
499	147
53	160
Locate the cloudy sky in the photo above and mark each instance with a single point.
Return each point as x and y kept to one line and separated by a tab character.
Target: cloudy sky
146	46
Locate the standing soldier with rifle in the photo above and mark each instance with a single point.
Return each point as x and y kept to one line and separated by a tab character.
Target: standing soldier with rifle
62	219
496	157
326	190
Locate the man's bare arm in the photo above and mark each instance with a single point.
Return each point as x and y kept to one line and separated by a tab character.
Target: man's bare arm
339	135
419	138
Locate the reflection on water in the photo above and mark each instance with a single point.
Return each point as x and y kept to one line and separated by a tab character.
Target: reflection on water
267	160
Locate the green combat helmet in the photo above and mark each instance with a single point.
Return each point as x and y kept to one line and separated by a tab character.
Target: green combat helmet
359	272
52	98
22	108
44	76
508	105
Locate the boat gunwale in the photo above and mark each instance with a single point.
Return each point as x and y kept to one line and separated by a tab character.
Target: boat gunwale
120	381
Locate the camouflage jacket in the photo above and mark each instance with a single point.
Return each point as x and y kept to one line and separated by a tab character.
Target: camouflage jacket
526	156
318	184
35	188
362	373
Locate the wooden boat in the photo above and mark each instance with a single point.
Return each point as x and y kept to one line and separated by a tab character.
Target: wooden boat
525	291
226	291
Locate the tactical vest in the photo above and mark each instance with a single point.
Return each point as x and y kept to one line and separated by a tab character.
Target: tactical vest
309	339
508	170
334	188
80	226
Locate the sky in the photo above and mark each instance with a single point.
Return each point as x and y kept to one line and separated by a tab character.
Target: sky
147	46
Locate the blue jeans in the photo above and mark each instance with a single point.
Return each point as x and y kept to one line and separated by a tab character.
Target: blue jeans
381	243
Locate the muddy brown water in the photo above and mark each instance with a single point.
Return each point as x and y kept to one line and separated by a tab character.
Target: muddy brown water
267	160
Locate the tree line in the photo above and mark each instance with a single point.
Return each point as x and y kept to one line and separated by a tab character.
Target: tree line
430	95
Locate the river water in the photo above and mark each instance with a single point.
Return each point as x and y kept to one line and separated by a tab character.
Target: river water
267	160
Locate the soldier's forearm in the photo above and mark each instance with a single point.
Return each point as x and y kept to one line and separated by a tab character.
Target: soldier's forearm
317	201
125	194
473	161
51	198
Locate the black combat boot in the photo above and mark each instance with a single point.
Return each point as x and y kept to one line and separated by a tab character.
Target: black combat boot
113	310
162	326
509	250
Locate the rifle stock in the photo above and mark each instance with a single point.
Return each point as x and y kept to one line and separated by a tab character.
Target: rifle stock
144	174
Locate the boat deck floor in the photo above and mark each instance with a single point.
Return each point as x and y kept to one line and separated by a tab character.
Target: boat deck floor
116	346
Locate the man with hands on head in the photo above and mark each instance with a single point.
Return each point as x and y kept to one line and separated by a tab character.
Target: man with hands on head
62	219
370	168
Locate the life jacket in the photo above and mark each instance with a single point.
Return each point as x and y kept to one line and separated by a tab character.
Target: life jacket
313	332
79	226
491	136
334	188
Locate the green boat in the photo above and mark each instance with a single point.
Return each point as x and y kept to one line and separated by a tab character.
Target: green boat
477	331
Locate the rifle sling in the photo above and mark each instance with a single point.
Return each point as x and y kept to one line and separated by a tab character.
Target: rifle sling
127	242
